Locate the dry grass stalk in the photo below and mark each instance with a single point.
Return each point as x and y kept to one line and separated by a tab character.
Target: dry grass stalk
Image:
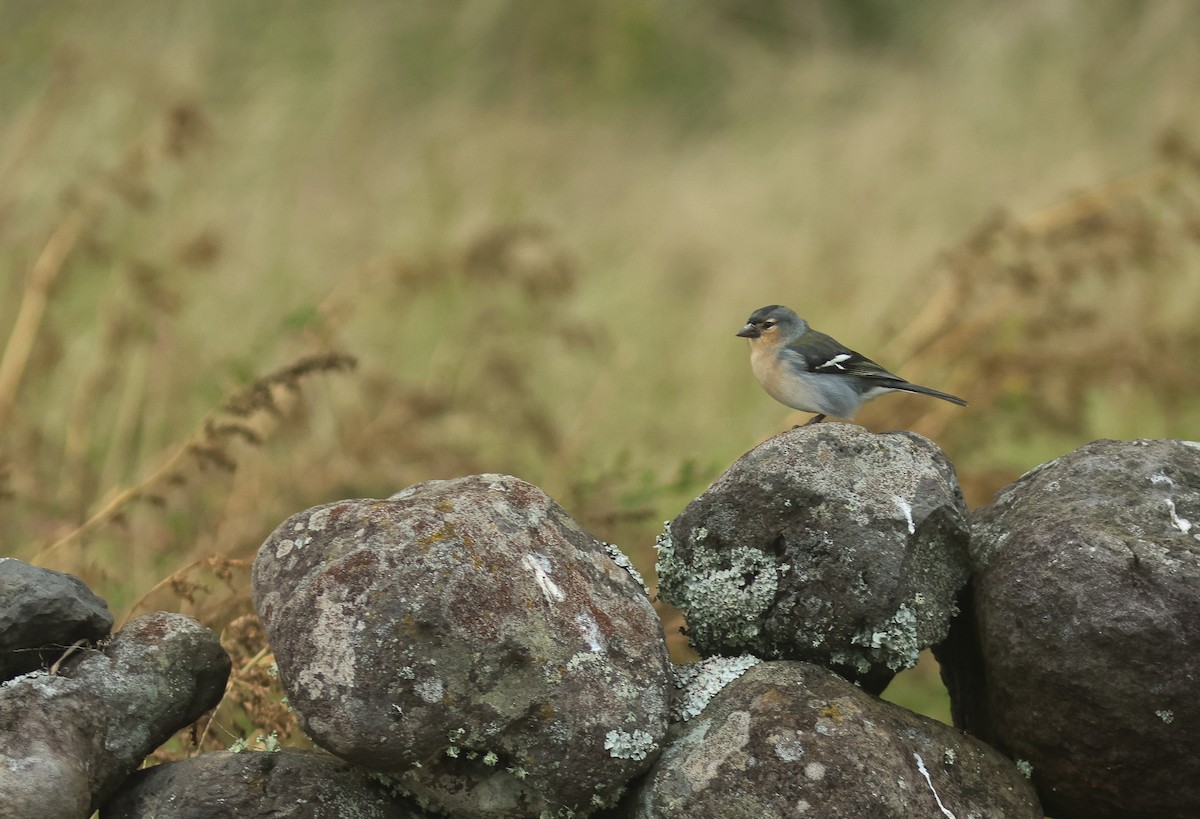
182	586
173	138
246	415
36	295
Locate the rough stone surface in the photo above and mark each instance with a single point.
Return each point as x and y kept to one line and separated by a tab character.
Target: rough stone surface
68	740
286	783
469	637
42	612
1087	604
828	544
790	739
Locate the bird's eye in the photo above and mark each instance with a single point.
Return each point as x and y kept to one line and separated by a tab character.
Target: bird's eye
767	325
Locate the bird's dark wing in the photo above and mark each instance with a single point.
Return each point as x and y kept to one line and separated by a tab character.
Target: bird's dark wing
816	352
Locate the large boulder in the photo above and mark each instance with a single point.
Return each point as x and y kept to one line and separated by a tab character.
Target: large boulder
789	739
828	544
1087	617
470	638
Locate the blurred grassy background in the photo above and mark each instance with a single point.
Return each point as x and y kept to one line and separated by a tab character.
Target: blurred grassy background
537	227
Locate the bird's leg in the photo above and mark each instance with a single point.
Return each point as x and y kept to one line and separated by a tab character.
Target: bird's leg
816	419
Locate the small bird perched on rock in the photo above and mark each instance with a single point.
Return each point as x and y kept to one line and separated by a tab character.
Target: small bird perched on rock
811	372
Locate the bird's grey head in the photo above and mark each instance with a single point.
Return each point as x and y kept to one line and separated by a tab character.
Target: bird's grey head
772	320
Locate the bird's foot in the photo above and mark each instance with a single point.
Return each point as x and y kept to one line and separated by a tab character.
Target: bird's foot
816	419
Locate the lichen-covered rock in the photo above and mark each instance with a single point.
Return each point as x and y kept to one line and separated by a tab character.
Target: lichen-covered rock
1087	604
789	739
469	637
697	683
41	612
828	544
68	740
282	784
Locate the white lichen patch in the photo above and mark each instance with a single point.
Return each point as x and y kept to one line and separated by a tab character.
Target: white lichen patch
725	750
814	771
618	557
906	508
583	658
284	547
1182	524
1166	716
697	683
787	746
318	520
623	745
430	690
895	641
541	568
851	659
495	481
589	629
664	545
1026	769
335	669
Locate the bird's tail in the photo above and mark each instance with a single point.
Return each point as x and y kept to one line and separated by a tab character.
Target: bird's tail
945	396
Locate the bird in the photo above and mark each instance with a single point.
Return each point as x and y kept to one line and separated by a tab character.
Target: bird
811	372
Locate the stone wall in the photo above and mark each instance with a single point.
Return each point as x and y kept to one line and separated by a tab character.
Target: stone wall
465	648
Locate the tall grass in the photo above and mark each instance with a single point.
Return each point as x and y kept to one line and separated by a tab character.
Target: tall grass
536	231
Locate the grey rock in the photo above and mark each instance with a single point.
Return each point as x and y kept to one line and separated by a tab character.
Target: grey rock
42	612
68	740
469	637
790	739
286	783
828	544
1087	611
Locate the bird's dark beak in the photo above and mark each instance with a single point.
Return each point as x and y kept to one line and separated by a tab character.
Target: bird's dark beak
749	331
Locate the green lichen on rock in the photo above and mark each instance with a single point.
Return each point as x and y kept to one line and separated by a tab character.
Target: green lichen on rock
726	594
